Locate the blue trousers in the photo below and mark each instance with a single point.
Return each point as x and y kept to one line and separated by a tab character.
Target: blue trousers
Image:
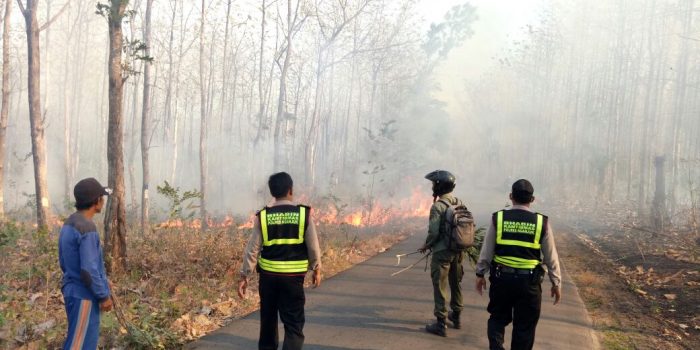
83	323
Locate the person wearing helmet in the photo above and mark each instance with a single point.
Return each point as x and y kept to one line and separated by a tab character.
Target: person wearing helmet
446	264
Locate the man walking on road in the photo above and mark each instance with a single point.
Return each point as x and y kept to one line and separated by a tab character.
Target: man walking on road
512	252
283	247
446	264
85	288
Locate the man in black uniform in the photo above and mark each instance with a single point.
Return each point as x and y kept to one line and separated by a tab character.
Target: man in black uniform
512	251
285	239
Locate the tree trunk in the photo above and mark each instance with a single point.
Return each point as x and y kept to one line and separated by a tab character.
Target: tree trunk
282	97
224	71
115	225
36	121
67	158
312	138
261	109
659	205
145	119
203	126
5	111
47	59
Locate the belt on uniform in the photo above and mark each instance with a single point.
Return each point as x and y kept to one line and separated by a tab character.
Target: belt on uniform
506	269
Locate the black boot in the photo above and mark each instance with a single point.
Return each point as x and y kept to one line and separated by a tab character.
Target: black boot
438	328
454	317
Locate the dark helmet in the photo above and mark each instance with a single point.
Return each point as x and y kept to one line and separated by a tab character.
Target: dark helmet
443	182
441	176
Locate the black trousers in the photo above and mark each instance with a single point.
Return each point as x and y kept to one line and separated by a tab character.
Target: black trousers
283	295
513	298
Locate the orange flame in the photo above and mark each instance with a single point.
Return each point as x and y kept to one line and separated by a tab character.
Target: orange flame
417	205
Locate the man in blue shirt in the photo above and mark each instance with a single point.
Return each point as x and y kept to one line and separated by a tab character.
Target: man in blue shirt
86	290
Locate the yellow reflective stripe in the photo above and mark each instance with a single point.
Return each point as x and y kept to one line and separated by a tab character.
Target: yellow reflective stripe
538	230
515	262
284	266
263	226
499	226
283	241
302	223
515	242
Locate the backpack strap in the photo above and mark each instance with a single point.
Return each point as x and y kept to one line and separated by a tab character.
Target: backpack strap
448	204
445	216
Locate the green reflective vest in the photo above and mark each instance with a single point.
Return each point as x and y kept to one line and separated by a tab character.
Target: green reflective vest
518	238
283	246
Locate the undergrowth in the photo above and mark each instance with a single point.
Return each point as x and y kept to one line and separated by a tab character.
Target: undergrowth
180	284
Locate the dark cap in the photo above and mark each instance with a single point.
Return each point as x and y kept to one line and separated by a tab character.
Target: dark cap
86	191
523	186
523	191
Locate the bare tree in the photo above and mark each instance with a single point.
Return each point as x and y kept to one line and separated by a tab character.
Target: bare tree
203	124
5	111
262	123
329	31
294	23
145	119
36	120
115	217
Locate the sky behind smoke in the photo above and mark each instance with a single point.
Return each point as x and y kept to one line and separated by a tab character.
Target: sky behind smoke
500	22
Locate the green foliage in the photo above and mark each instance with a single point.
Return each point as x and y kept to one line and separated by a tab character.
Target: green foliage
110	10
179	202
473	252
133	49
9	232
44	243
456	26
68	204
150	332
386	131
4	314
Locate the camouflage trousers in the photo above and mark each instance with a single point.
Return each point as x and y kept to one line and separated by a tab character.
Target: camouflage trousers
446	270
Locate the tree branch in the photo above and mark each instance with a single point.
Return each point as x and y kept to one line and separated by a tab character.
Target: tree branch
688	38
21	7
47	24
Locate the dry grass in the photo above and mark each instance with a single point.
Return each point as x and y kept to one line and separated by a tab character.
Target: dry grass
620	317
180	284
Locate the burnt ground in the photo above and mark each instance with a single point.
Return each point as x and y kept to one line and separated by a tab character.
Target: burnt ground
642	289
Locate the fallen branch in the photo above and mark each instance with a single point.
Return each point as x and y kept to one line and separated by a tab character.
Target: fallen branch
636	242
641	229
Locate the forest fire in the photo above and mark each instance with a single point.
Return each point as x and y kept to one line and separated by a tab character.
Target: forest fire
376	213
228	221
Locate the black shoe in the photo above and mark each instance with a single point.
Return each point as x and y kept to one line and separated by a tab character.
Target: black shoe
437	328
454	317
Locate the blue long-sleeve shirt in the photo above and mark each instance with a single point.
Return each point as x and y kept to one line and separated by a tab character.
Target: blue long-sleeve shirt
81	259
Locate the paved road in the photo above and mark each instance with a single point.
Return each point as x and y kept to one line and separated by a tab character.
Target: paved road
365	308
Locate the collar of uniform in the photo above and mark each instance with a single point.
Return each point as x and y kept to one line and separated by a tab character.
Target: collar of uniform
446	196
282	202
521	207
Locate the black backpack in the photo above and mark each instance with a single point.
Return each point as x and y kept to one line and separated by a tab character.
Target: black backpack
460	226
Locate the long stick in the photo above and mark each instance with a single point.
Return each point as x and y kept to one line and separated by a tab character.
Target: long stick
409	266
398	257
